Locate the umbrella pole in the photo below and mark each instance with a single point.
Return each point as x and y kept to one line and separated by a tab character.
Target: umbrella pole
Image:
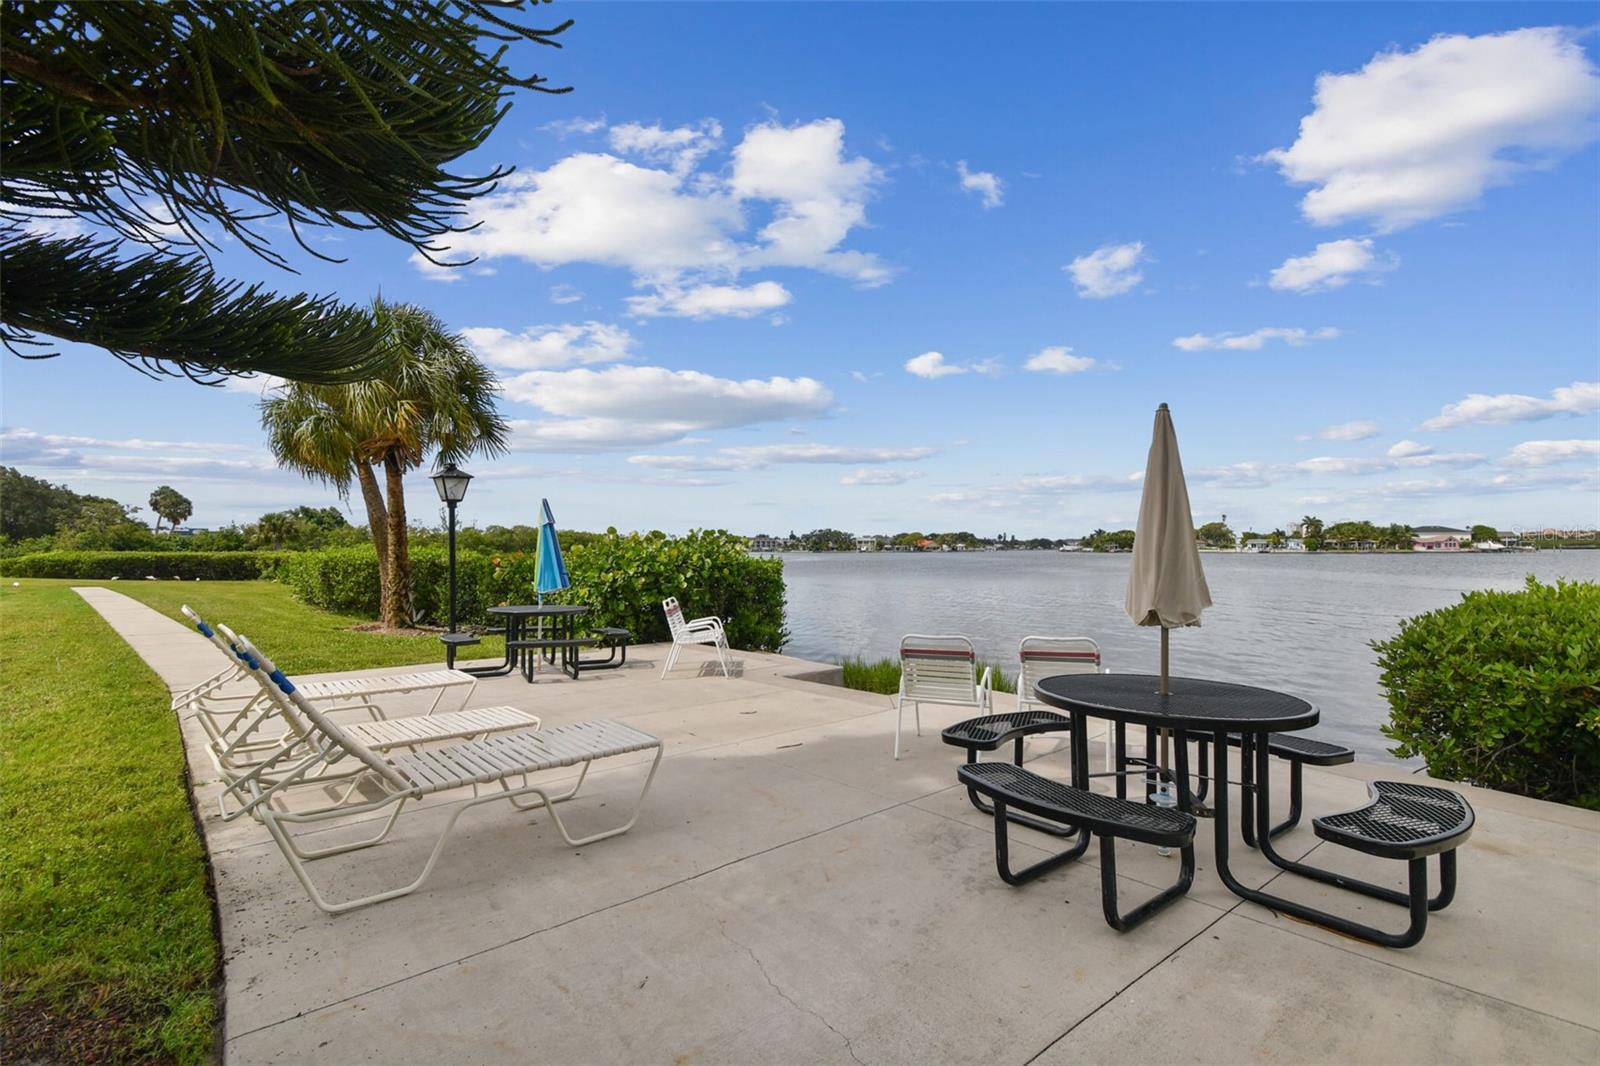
1165	634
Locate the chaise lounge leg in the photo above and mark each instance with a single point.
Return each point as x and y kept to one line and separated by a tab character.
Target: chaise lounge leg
1108	888
1002	857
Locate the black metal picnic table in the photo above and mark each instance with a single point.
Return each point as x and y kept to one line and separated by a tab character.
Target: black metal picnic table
520	652
1213	710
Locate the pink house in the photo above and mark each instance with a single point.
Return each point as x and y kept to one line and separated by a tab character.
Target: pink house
1437	542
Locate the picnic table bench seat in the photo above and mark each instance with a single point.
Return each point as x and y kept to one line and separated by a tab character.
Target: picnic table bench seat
987	732
1401	820
1106	817
1299	751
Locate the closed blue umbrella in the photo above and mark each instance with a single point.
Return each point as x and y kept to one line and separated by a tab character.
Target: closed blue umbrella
552	568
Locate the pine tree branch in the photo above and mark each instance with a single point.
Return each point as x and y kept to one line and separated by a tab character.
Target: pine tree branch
166	314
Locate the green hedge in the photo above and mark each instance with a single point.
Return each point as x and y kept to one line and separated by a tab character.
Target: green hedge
131	566
623	577
1502	690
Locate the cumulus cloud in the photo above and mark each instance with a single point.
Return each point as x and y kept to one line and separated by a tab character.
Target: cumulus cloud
1406	449
1331	265
1110	270
680	149
1250	342
759	456
131	458
1579	398
1545	452
1329	464
1059	360
989	189
629	406
932	365
1414	135
669	221
1360	429
710	301
551	347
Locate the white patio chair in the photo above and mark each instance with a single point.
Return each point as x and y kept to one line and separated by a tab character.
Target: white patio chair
939	669
706	630
1041	657
402	779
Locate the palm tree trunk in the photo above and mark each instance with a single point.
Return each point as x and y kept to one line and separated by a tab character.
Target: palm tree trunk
377	517
397	590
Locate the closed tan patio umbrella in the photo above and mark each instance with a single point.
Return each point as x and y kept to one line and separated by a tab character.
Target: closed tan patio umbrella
1166	584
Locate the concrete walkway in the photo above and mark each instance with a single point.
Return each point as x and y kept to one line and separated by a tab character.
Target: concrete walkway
791	894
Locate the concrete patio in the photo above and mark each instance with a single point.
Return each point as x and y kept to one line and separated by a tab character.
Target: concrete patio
791	894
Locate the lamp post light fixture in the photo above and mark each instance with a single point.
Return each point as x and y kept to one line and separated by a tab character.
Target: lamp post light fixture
451	481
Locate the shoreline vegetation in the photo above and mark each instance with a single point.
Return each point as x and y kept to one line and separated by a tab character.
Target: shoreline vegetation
883	675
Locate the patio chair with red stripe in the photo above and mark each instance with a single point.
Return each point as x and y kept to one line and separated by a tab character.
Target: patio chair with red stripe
1041	657
939	669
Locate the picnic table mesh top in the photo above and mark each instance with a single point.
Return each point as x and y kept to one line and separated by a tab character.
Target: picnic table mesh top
1191	702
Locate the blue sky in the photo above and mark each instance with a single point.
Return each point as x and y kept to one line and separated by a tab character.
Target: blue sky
778	267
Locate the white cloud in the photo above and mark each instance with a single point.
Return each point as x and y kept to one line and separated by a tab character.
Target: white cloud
629	406
1545	452
1414	135
879	476
255	385
760	456
681	149
674	223
989	188
1406	449
818	196
1360	429
1579	398
932	365
1058	360
1330	266
441	272
710	301
564	294
1110	270
568	127
1329	464
551	347
131	458
1250	342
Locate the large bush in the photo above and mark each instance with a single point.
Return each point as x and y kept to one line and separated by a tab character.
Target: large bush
1503	690
625	578
102	565
346	580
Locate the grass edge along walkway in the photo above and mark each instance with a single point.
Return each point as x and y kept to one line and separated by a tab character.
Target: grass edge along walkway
110	950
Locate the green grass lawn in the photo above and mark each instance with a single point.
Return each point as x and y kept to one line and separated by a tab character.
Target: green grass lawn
109	954
300	639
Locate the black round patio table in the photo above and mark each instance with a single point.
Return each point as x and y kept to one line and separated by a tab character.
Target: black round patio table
1190	706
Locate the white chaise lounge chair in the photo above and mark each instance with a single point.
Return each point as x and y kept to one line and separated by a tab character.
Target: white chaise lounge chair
274	722
475	764
706	630
939	669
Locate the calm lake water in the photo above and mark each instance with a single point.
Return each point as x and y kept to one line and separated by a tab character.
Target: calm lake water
1300	623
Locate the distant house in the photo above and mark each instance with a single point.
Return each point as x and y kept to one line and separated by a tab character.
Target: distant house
1510	538
927	545
1254	544
1435	531
867	544
1436	542
1293	544
763	543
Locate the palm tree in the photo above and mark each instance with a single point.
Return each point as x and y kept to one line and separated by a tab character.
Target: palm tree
437	397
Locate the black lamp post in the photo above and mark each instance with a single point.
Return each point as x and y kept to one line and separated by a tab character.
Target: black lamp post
451	481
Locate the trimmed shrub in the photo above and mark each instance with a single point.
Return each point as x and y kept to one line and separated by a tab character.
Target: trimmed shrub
346	580
1502	690
131	566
